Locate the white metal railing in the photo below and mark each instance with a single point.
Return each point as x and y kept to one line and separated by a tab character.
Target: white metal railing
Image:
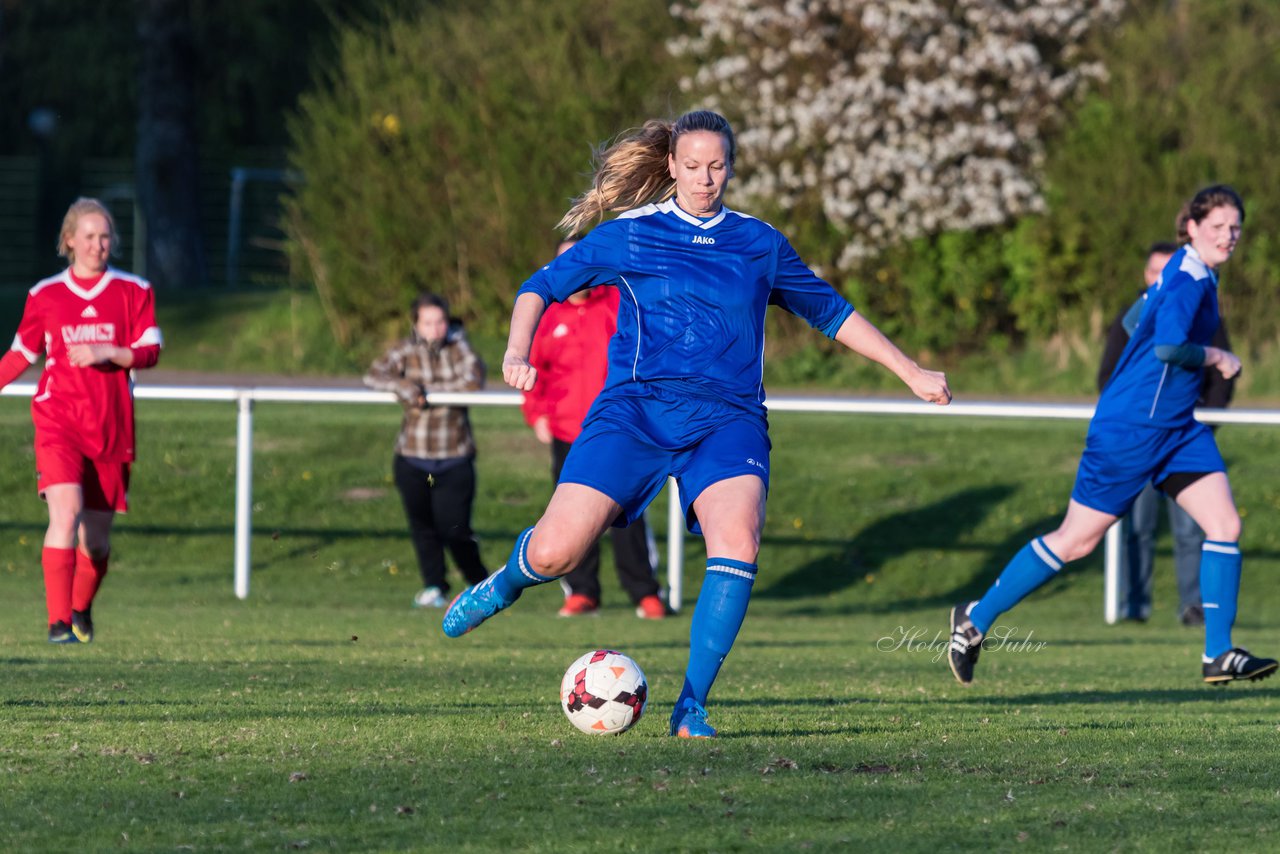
245	398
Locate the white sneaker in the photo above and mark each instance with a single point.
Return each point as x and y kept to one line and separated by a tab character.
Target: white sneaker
429	597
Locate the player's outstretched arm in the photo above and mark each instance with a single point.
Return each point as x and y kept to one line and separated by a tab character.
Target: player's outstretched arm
862	337
12	364
516	370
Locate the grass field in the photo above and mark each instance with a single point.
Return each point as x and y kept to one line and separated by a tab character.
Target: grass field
323	713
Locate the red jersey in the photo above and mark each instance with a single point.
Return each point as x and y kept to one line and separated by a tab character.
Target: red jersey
570	352
90	409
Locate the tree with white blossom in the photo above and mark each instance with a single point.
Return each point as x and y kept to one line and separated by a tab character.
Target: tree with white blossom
894	120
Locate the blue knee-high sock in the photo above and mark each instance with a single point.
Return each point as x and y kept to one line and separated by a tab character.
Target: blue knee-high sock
1219	589
721	607
1030	567
512	579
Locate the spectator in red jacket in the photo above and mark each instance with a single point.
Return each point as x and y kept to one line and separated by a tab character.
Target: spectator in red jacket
569	352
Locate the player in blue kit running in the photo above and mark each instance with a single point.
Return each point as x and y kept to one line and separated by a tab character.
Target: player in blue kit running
1144	430
683	395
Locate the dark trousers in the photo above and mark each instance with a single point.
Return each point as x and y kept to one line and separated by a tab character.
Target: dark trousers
634	556
1138	556
438	507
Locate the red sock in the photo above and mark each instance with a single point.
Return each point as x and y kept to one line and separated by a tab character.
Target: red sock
89	574
59	570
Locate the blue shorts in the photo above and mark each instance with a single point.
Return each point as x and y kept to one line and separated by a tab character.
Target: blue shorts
631	442
1120	459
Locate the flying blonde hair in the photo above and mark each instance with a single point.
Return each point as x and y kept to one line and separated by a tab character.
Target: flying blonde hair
633	172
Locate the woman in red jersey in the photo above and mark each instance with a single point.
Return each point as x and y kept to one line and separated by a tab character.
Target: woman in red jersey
93	324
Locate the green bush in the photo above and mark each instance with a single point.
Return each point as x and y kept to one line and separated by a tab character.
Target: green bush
441	150
939	293
1191	100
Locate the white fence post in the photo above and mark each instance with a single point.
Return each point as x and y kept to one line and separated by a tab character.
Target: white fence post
244	491
1114	542
675	546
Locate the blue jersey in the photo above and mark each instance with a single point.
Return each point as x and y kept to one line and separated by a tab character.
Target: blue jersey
693	297
1180	309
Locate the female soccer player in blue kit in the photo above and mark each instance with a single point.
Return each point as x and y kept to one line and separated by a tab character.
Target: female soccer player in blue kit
1144	430
683	394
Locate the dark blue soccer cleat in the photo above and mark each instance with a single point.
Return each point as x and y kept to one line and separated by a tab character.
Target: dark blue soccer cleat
82	625
689	720
966	643
472	607
1238	664
60	632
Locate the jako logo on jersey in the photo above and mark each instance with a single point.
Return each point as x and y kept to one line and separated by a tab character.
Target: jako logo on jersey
89	333
756	463
710	241
89	311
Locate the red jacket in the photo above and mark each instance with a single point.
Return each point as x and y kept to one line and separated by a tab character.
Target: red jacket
570	353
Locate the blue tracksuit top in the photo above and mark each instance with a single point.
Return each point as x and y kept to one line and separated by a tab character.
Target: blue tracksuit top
693	297
1180	308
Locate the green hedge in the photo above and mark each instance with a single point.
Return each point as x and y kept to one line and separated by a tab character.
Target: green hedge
442	149
1192	100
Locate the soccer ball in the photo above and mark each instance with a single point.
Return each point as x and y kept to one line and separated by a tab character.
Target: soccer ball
603	693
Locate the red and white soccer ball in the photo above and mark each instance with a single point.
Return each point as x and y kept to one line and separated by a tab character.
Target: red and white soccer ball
604	693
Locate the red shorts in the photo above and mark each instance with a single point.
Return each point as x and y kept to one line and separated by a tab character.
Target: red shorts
105	485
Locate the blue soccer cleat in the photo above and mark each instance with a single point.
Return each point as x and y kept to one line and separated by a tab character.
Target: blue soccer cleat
689	720
472	607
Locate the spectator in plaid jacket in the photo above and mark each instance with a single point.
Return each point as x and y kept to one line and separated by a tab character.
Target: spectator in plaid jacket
434	462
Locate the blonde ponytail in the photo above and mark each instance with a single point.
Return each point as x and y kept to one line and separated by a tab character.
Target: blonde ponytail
634	172
630	173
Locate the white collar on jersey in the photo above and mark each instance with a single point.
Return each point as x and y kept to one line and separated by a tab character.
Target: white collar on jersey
670	206
1192	263
107	276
